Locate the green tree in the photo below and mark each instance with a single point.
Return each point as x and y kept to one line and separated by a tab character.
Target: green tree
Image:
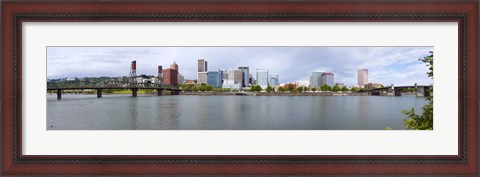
325	87
314	89
344	89
202	87
269	88
291	88
336	88
302	89
281	89
354	89
256	88
422	121
209	87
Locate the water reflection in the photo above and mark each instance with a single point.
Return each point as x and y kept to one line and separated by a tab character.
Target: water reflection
122	112
133	110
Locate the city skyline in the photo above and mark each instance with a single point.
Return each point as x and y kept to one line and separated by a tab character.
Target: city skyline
386	65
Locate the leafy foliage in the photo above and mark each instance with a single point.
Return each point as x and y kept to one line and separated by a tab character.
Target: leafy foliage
256	88
269	88
290	87
425	120
420	122
336	88
302	89
325	87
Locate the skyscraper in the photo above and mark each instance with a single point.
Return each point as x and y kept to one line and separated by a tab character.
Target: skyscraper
215	78
316	79
327	78
202	65
224	75
202	71
362	77
202	78
170	76
262	78
235	75
273	79
245	75
160	74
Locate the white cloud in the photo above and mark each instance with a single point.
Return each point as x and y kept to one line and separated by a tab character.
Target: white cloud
397	65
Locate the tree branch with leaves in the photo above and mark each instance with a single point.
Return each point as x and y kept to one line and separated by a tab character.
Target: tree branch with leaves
422	121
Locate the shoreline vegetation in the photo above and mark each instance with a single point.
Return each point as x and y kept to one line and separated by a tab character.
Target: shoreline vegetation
219	93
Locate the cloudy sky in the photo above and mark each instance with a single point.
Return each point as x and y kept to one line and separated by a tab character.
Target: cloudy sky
386	65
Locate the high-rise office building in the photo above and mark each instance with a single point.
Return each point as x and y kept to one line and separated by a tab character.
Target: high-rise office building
362	77
327	78
202	65
316	79
245	74
224	75
160	74
273	79
214	78
202	71
235	75
159	71
262	78
202	78
170	76
250	79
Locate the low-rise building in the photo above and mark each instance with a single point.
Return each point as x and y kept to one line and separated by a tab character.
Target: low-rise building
231	84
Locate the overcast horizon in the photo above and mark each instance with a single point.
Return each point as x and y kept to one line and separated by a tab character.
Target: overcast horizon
386	65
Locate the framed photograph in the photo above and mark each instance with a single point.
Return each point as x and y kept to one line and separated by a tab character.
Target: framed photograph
240	88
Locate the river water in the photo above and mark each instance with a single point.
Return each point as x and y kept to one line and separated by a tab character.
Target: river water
182	112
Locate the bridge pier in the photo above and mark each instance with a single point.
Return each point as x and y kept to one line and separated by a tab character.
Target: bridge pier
134	92
422	91
159	92
99	93
59	94
397	92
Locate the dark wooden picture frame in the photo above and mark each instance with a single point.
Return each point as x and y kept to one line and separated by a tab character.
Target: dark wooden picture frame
14	13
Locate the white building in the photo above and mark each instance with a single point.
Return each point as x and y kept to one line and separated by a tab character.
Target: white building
262	78
230	84
274	77
302	83
202	77
362	75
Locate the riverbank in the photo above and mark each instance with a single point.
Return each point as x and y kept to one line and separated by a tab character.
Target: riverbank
220	93
212	93
272	94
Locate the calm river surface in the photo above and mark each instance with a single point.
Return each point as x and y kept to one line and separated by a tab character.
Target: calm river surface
123	112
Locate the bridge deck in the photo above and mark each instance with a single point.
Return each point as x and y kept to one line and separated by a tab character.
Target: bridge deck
83	88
